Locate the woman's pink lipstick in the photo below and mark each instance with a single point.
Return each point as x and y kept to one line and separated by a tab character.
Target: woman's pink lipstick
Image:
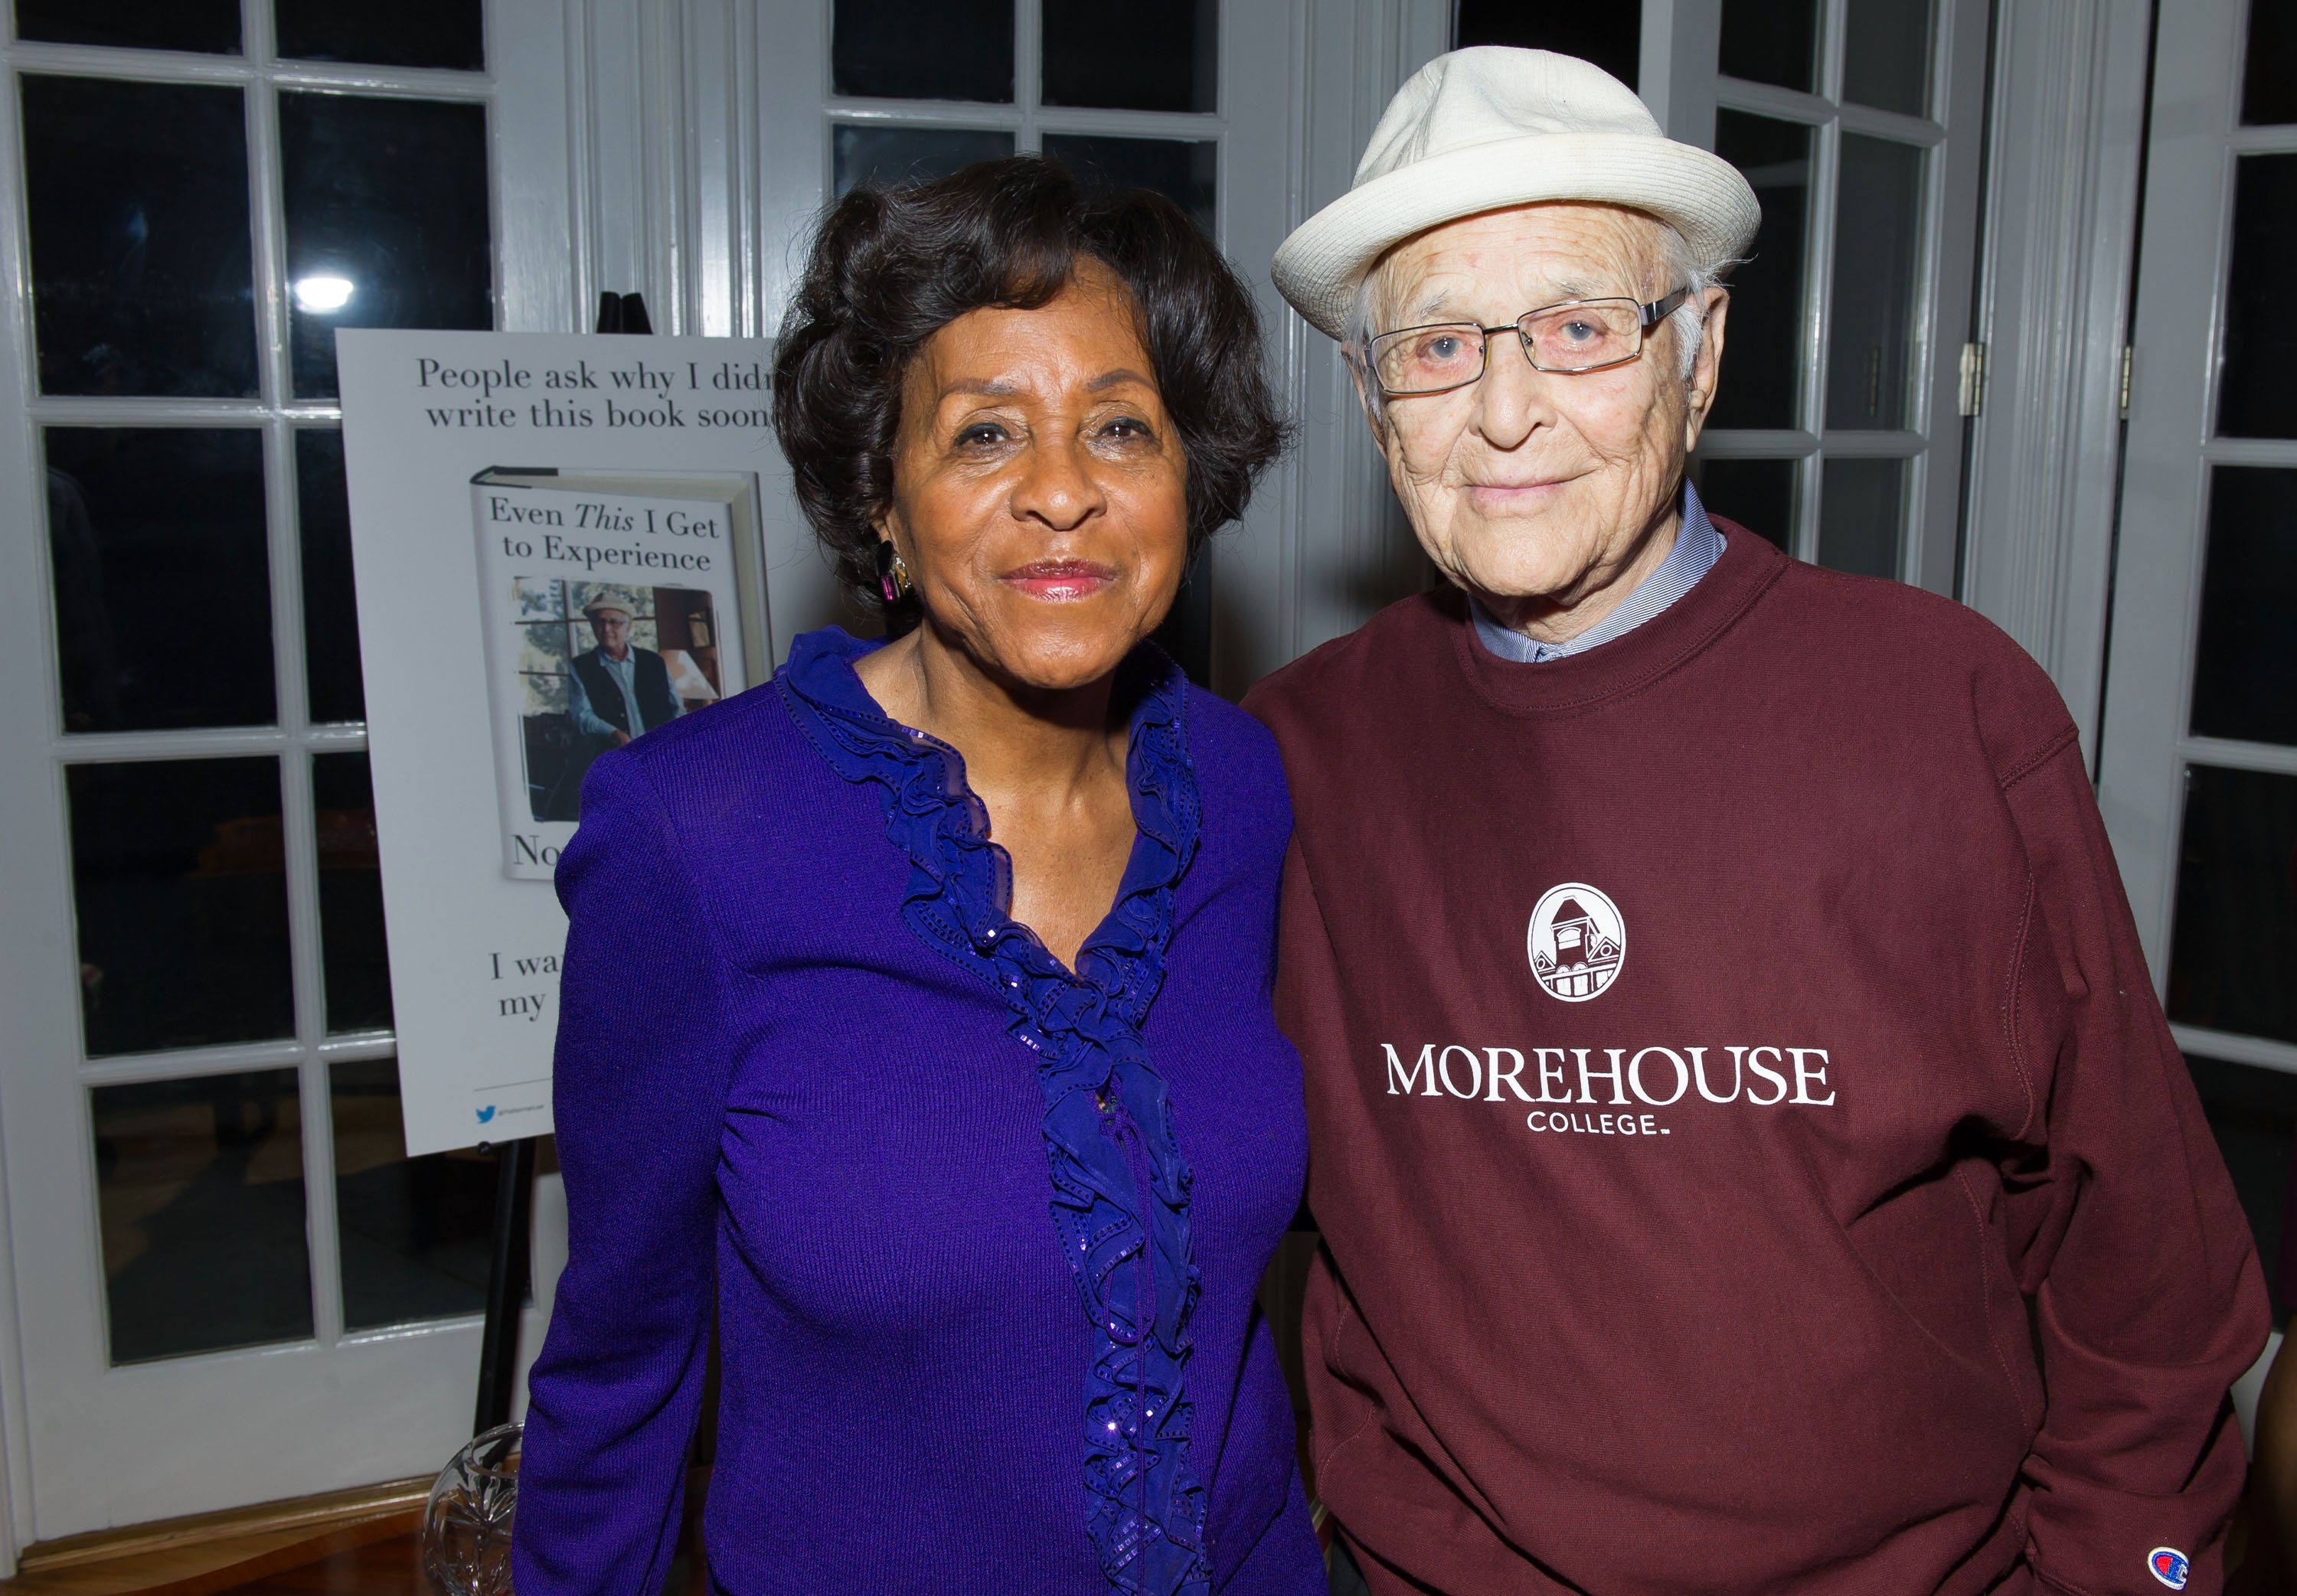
1059	581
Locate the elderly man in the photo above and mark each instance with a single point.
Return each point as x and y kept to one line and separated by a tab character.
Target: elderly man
618	692
1749	1152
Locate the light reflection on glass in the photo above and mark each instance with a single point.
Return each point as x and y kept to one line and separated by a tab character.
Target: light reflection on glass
320	296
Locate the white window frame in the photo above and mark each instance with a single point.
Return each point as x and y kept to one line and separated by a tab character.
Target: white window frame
88	1445
1680	40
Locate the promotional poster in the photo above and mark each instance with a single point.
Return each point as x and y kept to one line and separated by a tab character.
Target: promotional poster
591	537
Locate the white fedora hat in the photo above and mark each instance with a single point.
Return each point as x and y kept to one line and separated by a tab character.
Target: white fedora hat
1494	126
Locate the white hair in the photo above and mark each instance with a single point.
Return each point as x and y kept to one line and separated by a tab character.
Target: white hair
1683	267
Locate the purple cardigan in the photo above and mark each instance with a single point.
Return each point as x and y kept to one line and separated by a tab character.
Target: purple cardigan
984	1235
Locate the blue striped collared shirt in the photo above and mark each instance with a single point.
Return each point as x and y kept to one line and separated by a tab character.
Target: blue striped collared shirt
1697	546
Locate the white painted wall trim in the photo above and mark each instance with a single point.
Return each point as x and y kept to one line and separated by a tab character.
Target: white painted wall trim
1329	546
2068	123
1675	70
628	144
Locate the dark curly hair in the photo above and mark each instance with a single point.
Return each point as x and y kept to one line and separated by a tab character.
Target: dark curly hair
892	267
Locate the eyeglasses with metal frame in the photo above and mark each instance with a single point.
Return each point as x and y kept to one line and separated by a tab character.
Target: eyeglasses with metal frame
1568	339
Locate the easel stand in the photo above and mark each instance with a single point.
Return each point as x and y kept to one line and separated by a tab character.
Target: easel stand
509	1266
507	1282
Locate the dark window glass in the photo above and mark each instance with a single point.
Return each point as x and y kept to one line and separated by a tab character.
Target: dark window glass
892	156
1885	55
923	49
2253	1114
2269	85
415	1232
1770	41
1878	234
351	953
1762	374
163	577
2234	943
2255	398
179	879
210	26
1187	634
142	281
331	654
1099	54
1610	35
388	33
1861	507
2245	660
1757	494
199	1197
1182	169
386	203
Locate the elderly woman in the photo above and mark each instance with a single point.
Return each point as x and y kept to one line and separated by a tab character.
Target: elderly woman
917	1005
1721	1017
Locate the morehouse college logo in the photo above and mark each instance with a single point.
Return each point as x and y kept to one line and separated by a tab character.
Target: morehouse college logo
1576	942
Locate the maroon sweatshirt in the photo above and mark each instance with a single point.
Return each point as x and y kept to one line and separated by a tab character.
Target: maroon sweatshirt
1735	1087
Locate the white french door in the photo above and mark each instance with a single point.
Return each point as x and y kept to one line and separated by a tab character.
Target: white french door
1836	432
2198	752
228	1282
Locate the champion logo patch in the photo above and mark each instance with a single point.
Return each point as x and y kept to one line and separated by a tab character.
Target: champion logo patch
1576	942
2169	1565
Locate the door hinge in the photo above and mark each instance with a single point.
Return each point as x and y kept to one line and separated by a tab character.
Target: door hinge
2128	365
1971	400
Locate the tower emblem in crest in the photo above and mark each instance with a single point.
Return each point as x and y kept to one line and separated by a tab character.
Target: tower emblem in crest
1576	942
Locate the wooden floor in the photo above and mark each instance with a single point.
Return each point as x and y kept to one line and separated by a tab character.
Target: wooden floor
375	1558
371	1557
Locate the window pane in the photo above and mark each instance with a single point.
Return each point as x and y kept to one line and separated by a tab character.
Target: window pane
1762	371
1877	231
923	49
331	655
2253	1114
2255	398
142	281
200	1195
179	879
1101	55
1885	55
2270	86
1610	35
1757	494
351	952
892	156
1183	170
417	1233
210	26
1187	634
2245	660
387	221
391	33
1861	506
163	577
2234	940
1771	41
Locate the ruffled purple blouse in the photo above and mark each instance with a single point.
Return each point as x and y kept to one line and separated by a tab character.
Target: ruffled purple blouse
987	1230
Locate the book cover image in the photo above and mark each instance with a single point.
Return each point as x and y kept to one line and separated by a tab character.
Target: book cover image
612	605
